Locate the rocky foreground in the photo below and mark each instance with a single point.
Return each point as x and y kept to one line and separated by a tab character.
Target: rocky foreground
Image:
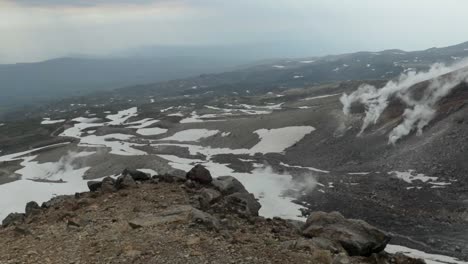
166	219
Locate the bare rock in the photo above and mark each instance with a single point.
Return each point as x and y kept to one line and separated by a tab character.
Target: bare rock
170	178
125	182
357	237
243	203
228	185
32	208
108	185
56	201
199	174
136	175
94	186
13	219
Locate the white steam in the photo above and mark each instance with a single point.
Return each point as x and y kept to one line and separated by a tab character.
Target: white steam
417	113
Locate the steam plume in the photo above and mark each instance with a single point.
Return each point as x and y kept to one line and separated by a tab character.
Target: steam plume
418	113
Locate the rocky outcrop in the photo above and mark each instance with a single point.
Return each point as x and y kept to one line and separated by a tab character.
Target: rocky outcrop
125	181
136	175
32	208
243	203
184	219
228	185
357	237
108	185
94	186
13	218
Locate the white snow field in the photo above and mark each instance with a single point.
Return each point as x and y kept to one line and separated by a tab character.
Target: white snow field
122	116
267	185
279	139
63	170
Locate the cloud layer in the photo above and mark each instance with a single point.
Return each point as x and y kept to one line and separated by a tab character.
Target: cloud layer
32	30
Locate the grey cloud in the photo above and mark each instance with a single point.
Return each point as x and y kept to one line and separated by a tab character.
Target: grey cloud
82	3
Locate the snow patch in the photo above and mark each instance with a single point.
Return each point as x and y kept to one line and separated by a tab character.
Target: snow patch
279	139
69	181
48	121
192	135
151	131
122	116
320	97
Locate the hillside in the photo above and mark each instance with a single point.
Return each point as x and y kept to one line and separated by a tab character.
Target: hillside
167	75
169	219
35	83
389	152
277	75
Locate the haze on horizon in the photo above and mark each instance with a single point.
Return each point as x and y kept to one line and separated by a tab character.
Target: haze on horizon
34	30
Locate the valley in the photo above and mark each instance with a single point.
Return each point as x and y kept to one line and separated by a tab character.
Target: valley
289	140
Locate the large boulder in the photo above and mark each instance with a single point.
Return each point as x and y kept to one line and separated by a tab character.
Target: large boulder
228	185
13	219
357	237
108	185
125	182
136	175
199	174
94	186
243	203
32	208
56	201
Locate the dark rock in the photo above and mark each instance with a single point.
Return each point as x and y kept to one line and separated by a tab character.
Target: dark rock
170	178
228	185
134	225
125	182
243	203
13	219
199	174
357	237
108	185
56	201
32	208
73	222
208	197
94	185
136	175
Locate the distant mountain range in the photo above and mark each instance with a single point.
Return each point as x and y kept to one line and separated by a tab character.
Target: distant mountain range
152	69
27	83
290	73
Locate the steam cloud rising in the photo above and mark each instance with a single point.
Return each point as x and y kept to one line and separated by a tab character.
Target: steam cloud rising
418	113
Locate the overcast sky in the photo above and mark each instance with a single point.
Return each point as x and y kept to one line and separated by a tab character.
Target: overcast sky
32	30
